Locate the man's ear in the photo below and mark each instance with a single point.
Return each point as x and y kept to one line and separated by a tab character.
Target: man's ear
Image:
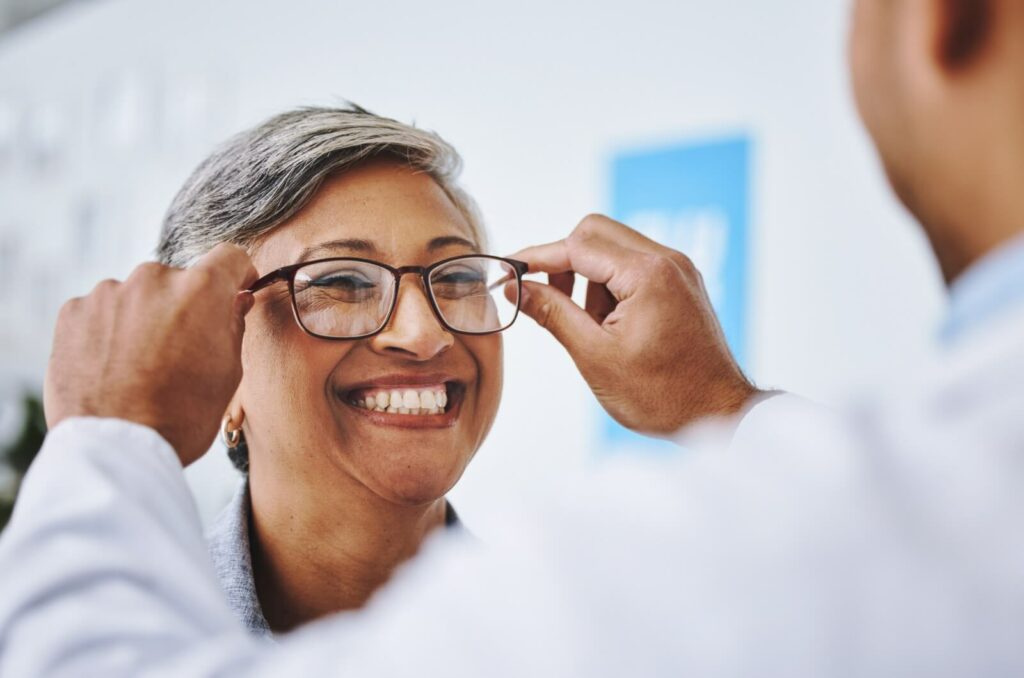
963	30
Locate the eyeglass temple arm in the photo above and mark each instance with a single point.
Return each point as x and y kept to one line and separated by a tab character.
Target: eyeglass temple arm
268	279
522	268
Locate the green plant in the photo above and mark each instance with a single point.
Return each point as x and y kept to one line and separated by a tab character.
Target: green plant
19	454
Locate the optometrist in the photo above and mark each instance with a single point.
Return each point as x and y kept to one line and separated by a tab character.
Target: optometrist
793	542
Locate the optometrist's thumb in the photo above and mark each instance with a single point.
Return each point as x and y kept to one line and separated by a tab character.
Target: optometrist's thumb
556	312
244	302
226	269
223	271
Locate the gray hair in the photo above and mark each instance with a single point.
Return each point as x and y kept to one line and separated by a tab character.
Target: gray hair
262	177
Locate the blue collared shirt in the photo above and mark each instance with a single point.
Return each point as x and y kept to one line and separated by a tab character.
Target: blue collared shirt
989	288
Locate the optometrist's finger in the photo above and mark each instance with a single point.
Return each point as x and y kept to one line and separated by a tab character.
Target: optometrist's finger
608	228
551	257
593	224
600	302
595	229
590	255
228	263
557	313
564	282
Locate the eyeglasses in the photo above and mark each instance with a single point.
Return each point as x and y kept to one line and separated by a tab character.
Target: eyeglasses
345	298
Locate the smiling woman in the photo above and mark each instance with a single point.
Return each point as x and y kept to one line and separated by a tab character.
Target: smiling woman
372	360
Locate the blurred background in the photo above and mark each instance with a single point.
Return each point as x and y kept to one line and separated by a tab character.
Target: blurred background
725	129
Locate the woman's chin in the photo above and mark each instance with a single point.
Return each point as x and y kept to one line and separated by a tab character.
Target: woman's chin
412	485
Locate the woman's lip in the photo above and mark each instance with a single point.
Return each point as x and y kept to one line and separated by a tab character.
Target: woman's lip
446	419
452	391
359	393
398	381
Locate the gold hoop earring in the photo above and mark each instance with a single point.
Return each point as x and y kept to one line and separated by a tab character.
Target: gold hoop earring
231	438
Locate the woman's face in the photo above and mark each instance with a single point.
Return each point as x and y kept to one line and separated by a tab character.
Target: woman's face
297	393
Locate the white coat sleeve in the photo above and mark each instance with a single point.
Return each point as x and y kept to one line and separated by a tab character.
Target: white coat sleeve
777	556
104	568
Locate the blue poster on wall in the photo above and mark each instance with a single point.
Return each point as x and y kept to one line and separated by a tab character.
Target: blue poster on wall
695	198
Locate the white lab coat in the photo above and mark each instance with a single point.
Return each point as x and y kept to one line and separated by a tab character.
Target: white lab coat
883	541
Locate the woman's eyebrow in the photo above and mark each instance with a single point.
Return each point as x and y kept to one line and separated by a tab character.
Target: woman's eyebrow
357	245
451	241
363	246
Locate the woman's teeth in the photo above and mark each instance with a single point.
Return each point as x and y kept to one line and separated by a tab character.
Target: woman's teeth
405	401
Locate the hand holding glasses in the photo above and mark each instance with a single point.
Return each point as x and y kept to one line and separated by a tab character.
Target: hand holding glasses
350	298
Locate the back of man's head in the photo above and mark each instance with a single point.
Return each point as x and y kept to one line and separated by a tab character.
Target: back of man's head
940	86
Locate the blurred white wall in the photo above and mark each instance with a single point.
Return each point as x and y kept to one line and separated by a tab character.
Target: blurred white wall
106	106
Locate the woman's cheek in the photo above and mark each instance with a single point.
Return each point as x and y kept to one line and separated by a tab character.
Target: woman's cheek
498	360
487	352
286	367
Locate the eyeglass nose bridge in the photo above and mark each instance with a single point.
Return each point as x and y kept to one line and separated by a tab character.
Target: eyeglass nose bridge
422	273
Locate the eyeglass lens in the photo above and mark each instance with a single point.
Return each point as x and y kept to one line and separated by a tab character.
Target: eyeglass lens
345	298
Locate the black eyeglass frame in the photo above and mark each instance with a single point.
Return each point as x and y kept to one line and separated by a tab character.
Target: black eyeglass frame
287	274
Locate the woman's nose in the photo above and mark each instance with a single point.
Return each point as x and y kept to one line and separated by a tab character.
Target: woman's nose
414	329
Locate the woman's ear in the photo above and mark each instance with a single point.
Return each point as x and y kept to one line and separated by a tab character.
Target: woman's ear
232	436
234	416
963	29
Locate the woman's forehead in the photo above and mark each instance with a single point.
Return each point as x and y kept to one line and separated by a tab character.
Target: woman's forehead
397	245
385	213
438	247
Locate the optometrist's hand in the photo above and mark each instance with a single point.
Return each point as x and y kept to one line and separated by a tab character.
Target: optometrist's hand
647	342
162	349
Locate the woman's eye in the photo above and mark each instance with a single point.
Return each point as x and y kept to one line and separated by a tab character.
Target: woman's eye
460	277
460	283
343	281
348	287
